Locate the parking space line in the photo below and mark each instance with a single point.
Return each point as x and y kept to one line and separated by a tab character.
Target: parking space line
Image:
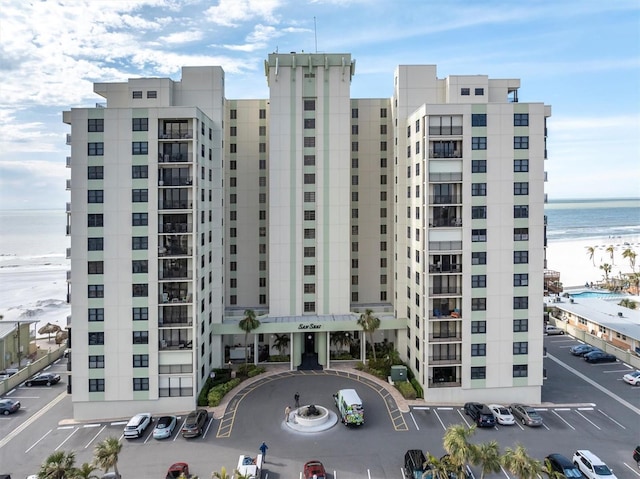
611	419
68	437
563	420
36	443
632	468
441	423
505	472
94	437
588	420
585	409
463	416
414	421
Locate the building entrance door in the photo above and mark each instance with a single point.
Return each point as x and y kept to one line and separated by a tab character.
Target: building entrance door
309	355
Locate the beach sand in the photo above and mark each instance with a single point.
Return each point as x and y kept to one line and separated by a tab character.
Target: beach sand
576	268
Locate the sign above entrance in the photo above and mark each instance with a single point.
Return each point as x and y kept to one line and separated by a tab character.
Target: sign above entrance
309	326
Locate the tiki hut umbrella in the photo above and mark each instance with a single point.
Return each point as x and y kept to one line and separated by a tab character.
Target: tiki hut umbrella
61	337
48	329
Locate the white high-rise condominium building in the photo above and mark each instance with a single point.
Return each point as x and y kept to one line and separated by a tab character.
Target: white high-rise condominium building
309	208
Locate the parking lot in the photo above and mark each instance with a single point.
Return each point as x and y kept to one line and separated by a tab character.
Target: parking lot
585	406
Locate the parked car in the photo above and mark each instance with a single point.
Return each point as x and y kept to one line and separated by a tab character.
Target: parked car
414	461
43	379
582	349
314	470
599	357
137	425
636	455
562	464
502	414
8	406
553	330
480	413
178	470
164	427
632	378
526	415
592	466
194	424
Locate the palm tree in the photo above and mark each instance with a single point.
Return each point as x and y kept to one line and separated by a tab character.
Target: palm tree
248	324
460	450
281	343
341	339
222	474
628	303
548	471
611	251
105	455
238	475
58	465
84	472
487	455
631	256
369	324
520	464
606	267
435	468
591	251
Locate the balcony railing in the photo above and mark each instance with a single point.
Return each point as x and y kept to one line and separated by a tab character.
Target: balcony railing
444	383
68	185
174	251
68	138
444	154
68	253
175	228
445	268
175	181
445	222
165	298
175	135
436	313
445	177
445	199
446	359
445	130
177	158
439	290
175	322
167	345
445	245
175	204
445	338
68	162
175	273
68	208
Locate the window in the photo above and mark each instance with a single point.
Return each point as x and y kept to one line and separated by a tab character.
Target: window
354	113
309	270
521	302
309	215
95	196
520	347
139	171
96	339
520	119
137	94
383	179
95	267
309	306
95	291
152	94
140	242
95	314
309	160
309	288
140	148
383	146
140	195
309	196
479	281
262	130
140	290
478	119
95	124
521	211
309	105
478	92
139	219
520	257
521	188
309	252
478	304
262	113
478	327
309	179
140	360
478	372
310	123
309	233
465	91
383	112
309	141
520	234
233	148
478	166
478	189
479	235
95	219
354	180
262	147
139	266
141	337
520	166
520	142
96	362
521	279
479	349
140	314
520	371
97	385
479	257
140	384
95	244
479	143
233	114
478	212
354	146
140	124
95	172
520	325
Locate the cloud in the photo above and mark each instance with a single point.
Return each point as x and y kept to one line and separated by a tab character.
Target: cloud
231	13
183	37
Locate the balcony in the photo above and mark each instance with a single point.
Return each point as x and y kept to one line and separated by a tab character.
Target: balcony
175	204
175	322
68	253
68	208
445	268
169	345
68	185
175	272
175	134
444	289
445	177
174	249
445	359
445	338
445	245
444	383
445	199
445	222
175	339
445	130
68	275
68	162
68	138
168	180
175	228
445	149
175	297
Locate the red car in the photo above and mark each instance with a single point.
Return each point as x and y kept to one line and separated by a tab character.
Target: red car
314	470
177	469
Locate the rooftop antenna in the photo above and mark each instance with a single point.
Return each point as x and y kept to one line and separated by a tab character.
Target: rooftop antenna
315	33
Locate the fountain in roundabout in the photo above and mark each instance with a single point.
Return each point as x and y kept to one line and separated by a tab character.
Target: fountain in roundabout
311	418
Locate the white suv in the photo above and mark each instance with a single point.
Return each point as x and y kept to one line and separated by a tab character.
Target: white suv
591	465
136	425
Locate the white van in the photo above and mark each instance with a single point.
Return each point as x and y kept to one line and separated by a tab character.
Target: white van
350	407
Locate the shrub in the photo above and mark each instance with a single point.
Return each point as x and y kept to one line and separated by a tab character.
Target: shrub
255	371
406	389
214	398
417	387
279	358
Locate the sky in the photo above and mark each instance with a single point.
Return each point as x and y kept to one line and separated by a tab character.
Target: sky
582	57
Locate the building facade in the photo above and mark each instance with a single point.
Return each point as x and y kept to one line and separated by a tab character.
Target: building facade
309	208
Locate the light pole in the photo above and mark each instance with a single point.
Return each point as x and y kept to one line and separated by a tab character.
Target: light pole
19	348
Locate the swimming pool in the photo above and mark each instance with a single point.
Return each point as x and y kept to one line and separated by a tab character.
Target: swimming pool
601	294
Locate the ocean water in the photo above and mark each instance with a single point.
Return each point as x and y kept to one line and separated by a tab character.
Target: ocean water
583	219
